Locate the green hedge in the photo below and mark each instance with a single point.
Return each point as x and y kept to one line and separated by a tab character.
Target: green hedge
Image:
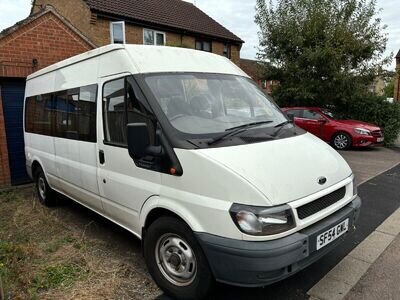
376	110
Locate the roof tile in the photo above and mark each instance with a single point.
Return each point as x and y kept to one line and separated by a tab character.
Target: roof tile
172	13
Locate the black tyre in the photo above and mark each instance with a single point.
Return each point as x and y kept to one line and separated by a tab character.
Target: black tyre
45	194
341	141
176	261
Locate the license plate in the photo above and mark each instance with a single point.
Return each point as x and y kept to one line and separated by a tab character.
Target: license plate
332	234
381	139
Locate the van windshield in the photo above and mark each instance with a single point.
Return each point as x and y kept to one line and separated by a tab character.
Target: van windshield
199	103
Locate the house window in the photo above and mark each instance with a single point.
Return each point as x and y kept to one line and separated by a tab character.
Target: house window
203	45
152	37
117	30
227	50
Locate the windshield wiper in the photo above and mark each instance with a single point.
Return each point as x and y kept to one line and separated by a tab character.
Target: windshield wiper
281	126
237	129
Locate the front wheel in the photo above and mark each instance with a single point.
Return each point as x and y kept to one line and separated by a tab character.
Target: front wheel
341	141
176	261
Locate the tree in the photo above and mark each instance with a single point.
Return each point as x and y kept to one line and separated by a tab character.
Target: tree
389	89
323	52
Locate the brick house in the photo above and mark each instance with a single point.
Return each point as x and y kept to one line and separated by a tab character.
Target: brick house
155	22
396	94
254	70
42	39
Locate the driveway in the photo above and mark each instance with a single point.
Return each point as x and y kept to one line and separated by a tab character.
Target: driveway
111	257
368	163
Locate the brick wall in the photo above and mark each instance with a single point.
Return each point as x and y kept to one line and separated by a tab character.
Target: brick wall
46	39
100	35
97	29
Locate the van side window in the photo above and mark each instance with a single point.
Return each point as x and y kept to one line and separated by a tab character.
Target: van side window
69	114
39	115
123	103
114	112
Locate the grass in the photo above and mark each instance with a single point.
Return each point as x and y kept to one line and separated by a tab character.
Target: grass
59	275
45	256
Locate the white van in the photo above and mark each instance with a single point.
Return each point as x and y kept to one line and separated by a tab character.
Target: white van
182	149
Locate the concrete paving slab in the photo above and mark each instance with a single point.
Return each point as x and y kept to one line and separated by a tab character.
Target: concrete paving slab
379	195
372	247
382	279
391	225
330	289
349	270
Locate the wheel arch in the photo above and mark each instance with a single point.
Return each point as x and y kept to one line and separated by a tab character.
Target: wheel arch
36	164
156	207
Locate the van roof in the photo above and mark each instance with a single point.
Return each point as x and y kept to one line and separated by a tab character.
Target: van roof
156	59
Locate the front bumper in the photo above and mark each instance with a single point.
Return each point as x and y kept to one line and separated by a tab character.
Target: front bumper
254	264
366	140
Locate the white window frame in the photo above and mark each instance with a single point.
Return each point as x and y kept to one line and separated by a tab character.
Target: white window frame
112	31
155	36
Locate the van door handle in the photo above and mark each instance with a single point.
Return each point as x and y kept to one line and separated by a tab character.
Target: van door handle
102	158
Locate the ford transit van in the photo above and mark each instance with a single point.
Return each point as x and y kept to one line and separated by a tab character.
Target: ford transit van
181	148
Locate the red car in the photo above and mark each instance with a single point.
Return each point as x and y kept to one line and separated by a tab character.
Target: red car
341	134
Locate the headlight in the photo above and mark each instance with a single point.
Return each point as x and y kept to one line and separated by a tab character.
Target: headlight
362	131
355	189
260	221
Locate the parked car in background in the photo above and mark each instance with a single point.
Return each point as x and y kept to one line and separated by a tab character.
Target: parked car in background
341	134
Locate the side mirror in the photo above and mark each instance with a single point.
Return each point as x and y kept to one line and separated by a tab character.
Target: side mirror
139	141
323	121
291	117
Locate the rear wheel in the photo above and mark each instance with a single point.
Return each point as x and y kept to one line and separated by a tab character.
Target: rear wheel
45	194
341	141
176	261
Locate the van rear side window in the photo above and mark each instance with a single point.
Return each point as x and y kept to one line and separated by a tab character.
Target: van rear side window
67	114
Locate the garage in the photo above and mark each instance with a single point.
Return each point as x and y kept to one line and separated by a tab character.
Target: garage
12	95
38	41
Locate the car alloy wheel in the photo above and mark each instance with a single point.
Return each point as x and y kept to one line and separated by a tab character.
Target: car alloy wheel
341	141
176	260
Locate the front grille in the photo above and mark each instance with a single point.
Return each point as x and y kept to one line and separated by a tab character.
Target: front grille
377	133
317	205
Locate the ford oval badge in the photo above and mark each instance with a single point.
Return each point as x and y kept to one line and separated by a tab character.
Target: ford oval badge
322	180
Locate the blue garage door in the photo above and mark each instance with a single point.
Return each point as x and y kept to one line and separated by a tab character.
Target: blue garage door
12	94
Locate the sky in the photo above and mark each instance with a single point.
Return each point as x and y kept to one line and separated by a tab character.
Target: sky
236	15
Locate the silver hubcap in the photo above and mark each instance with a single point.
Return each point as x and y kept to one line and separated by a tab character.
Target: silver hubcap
341	141
42	188
176	260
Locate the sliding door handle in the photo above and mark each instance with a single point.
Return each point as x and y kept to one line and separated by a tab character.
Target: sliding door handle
102	158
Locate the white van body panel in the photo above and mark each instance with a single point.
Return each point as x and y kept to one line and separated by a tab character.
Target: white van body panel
284	170
112	59
153	59
41	85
